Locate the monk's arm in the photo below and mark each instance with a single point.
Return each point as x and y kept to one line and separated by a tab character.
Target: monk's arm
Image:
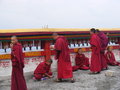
76	60
47	75
21	56
108	56
14	61
95	49
18	56
57	54
94	45
13	58
58	48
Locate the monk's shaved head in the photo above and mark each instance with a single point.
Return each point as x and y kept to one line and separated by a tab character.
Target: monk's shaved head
109	48
55	35
92	30
97	31
50	61
79	51
14	39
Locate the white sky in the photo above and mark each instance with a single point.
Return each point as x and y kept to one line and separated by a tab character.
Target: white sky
59	13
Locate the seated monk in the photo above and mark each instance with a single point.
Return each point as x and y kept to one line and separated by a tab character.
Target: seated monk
111	58
81	62
43	70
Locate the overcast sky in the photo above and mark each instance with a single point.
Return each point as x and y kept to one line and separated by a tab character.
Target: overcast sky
59	13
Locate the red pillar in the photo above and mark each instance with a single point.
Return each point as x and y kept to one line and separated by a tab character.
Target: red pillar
47	50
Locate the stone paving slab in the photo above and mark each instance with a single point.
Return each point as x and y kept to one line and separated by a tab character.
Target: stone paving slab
84	81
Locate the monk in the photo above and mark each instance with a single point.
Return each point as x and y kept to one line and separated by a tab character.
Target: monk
81	61
17	80
95	66
104	44
43	70
64	66
111	58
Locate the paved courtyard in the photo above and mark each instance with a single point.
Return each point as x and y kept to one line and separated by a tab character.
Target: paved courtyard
84	81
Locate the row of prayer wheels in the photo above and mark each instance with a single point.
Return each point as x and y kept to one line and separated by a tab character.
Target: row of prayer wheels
38	45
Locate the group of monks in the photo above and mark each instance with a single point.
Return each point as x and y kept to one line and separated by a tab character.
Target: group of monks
99	60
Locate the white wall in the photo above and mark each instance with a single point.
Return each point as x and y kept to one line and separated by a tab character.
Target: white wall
31	63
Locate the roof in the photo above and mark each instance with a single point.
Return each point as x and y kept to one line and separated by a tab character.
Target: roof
53	30
46	34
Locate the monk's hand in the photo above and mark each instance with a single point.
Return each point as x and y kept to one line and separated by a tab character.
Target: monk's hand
50	76
52	47
47	75
15	64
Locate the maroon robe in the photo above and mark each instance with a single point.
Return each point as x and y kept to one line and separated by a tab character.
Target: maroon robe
17	79
41	69
62	54
111	59
81	62
104	44
95	57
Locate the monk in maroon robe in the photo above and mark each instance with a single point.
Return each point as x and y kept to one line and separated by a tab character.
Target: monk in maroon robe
104	44
43	70
95	66
17	80
64	66
81	62
111	58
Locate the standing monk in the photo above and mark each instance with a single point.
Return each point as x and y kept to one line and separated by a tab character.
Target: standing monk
95	66
104	44
64	66
17	79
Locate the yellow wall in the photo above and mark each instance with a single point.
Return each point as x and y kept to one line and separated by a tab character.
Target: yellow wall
53	30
